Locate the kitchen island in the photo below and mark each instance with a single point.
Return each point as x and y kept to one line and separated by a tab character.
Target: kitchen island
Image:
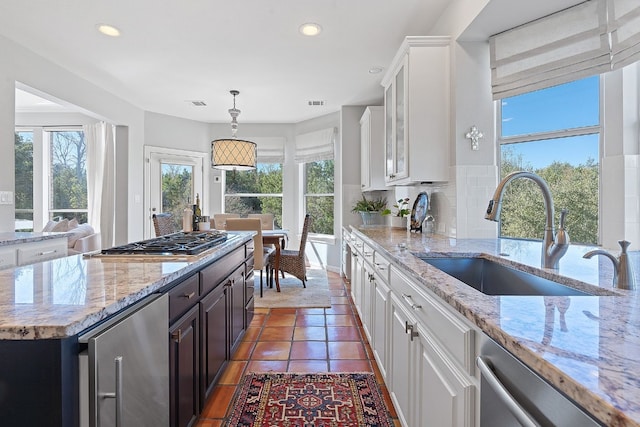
590	351
45	306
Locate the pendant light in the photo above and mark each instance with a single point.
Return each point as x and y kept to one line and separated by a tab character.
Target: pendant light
233	153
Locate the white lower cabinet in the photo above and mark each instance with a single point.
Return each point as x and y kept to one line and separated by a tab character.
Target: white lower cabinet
356	280
447	396
380	323
426	386
400	357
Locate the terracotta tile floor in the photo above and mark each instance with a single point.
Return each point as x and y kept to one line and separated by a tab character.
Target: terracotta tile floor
297	340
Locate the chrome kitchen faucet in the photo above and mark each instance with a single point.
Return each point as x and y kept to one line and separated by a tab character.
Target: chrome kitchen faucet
622	272
554	246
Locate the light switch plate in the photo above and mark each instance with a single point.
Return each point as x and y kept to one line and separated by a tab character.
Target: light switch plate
6	197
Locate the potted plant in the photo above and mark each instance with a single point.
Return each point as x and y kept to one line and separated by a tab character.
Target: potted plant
370	210
398	219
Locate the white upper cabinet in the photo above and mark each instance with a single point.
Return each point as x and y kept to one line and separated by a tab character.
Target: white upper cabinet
416	108
372	149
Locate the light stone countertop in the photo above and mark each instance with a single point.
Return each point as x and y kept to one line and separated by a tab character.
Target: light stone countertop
586	346
64	296
14	238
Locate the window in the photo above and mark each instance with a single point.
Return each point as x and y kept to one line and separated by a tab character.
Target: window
555	133
318	195
24	180
62	182
255	191
177	190
68	175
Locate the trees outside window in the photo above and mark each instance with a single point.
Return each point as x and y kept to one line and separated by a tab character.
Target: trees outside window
68	175
255	191
24	180
62	182
318	195
554	133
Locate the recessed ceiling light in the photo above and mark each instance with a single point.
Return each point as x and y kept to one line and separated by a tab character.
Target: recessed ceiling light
375	70
310	29
108	30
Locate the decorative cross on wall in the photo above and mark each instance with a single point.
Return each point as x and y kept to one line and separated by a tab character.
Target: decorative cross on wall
474	135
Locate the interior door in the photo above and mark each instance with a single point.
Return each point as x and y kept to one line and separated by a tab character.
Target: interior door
174	178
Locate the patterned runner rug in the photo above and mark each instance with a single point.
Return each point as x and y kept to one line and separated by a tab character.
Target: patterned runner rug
309	400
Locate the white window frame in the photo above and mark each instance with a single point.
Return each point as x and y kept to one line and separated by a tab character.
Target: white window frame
225	194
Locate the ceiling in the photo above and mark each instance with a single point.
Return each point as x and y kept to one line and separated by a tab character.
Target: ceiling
172	52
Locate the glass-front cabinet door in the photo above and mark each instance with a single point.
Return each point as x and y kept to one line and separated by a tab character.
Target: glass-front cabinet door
388	131
400	151
395	126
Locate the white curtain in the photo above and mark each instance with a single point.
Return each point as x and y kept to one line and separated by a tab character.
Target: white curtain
558	48
315	146
584	40
624	18
100	139
270	149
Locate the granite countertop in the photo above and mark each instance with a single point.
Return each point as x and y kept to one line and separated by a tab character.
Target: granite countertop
587	346
64	296
13	238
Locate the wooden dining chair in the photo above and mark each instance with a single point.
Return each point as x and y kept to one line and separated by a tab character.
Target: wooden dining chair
260	253
266	219
293	261
220	220
163	224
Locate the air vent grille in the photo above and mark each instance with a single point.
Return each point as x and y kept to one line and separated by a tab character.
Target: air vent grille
199	103
315	103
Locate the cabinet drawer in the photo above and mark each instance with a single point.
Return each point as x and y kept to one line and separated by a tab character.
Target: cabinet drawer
8	257
381	266
367	252
41	251
183	296
452	333
214	274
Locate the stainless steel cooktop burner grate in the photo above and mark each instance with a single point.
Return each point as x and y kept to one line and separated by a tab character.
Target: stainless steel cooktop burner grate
181	243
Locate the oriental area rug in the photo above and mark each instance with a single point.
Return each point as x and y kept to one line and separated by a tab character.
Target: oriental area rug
309	400
292	294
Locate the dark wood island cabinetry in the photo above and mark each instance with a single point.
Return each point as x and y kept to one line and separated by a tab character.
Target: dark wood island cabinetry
210	304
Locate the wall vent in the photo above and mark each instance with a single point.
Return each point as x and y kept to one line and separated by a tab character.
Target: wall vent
199	103
315	103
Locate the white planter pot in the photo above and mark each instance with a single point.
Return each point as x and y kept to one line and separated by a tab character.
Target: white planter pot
371	218
396	221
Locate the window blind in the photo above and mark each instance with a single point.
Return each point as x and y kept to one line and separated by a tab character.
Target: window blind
315	146
270	149
556	49
624	18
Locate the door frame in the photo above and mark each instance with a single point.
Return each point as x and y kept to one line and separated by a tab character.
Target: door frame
171	154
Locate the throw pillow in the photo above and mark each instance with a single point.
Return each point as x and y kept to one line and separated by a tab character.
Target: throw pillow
49	227
73	224
81	231
63	225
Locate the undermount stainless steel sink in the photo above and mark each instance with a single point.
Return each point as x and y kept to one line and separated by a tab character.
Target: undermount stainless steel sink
492	278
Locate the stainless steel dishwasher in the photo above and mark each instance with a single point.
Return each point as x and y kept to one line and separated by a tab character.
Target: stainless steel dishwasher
511	394
124	371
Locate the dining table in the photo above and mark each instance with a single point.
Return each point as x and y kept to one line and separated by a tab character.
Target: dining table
278	239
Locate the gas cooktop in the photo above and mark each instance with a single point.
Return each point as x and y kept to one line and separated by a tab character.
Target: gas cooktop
182	243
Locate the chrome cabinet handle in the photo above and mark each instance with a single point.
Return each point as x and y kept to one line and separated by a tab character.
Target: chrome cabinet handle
177	336
118	393
189	296
47	252
409	330
409	301
380	266
525	419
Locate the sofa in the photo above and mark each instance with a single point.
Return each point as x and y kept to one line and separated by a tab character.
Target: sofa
81	237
